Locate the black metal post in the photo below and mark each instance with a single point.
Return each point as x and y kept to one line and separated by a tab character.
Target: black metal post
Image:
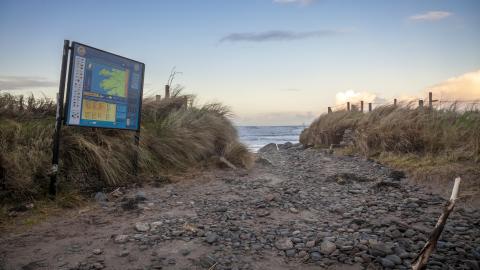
58	120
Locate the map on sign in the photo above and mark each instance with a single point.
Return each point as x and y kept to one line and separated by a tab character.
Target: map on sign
105	90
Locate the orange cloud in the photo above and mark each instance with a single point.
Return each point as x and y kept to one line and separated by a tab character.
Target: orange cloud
463	87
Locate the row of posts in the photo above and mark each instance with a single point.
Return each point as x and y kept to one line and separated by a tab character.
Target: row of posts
420	104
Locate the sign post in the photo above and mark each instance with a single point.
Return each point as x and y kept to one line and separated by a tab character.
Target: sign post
58	120
104	90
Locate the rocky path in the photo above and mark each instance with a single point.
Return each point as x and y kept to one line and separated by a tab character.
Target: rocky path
297	209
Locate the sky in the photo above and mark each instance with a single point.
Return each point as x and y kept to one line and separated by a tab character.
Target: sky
273	62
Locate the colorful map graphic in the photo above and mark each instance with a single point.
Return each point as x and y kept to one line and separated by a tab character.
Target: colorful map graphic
99	111
107	80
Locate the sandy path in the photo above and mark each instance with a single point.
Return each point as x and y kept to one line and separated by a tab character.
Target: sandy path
307	210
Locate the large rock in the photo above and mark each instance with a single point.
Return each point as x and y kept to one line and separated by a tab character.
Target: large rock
271	147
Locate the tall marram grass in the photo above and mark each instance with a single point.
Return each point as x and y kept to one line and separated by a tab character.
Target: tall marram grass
402	129
174	137
428	143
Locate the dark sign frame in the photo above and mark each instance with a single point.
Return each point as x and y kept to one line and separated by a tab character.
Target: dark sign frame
69	88
61	113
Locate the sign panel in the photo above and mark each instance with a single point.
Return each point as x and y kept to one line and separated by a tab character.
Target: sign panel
104	90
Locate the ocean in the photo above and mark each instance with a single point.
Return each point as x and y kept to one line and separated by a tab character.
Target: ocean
255	137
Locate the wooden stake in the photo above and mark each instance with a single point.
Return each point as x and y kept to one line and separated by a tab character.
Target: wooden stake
420	103
158	98
348	106
361	105
430	100
369	107
167	91
329	109
421	260
395	102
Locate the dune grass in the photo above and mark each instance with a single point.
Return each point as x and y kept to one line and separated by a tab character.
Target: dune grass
174	137
428	143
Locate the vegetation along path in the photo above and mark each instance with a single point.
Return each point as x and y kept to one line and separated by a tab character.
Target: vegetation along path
296	209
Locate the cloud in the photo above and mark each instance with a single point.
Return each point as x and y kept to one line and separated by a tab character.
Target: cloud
355	97
430	16
300	2
277	35
463	87
22	82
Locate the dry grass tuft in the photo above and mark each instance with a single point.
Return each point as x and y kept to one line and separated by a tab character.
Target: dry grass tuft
174	137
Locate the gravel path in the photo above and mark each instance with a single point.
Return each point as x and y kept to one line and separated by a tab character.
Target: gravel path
297	209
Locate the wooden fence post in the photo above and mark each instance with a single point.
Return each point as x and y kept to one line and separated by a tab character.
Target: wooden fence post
420	103
158	98
329	109
430	100
369	107
395	102
348	106
167	91
361	105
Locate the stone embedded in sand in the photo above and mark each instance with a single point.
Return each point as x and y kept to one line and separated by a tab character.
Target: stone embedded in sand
100	197
140	196
284	244
211	237
120	239
263	213
142	227
156	224
327	247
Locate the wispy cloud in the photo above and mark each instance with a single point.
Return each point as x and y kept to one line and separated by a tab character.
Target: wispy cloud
277	35
430	16
22	82
300	2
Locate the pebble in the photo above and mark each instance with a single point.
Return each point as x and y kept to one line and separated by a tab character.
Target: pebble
387	263
121	238
284	244
327	247
142	227
315	256
211	237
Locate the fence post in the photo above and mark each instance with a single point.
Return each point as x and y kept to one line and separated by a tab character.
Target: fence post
167	91
348	106
329	109
394	102
369	107
420	103
430	100
158	98
361	105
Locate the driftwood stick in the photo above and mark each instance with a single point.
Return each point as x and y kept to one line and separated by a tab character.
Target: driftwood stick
421	260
